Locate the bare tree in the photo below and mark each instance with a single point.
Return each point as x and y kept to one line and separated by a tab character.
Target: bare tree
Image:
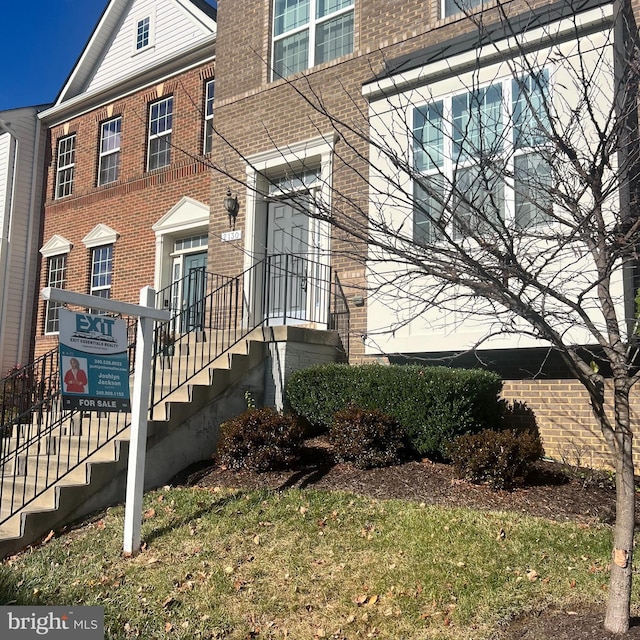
506	191
501	199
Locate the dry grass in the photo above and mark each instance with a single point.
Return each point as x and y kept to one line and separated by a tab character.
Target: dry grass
311	564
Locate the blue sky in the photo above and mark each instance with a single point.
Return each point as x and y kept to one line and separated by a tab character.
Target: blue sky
34	68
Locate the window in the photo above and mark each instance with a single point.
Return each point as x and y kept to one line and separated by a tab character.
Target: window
193	242
65	166
481	154
160	123
208	115
310	32
101	271
143	33
109	164
451	7
57	277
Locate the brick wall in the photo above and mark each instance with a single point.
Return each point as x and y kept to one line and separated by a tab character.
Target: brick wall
563	415
255	114
138	199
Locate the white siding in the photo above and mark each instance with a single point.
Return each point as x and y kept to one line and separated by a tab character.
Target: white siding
174	30
20	214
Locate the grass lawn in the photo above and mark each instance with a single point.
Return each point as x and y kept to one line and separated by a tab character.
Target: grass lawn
307	564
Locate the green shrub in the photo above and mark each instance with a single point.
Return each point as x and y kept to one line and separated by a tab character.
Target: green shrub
367	438
500	459
259	440
433	404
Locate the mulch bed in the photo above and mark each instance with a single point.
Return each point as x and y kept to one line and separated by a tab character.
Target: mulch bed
554	491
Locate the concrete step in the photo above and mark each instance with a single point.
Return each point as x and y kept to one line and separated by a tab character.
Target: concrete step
69	497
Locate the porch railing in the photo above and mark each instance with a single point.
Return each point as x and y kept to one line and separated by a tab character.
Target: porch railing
282	289
214	314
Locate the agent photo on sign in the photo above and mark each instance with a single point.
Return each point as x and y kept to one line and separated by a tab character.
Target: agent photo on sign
75	378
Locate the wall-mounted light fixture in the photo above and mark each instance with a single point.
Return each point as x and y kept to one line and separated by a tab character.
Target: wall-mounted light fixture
232	207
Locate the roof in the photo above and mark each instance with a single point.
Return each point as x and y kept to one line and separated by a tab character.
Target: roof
110	20
487	35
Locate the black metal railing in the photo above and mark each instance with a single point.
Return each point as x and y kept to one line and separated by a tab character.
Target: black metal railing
210	314
36	429
281	289
339	316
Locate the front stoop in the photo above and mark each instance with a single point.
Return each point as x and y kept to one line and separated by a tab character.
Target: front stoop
182	430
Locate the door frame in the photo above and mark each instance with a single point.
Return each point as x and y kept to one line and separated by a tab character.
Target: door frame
316	152
187	218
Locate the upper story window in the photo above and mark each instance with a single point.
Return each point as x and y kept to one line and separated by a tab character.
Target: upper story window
57	278
209	93
481	159
143	33
160	129
451	7
65	166
109	162
101	271
309	32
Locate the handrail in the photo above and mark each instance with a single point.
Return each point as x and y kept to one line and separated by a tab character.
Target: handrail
280	289
34	423
340	317
210	314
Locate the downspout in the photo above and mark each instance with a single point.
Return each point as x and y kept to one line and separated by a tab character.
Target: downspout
623	47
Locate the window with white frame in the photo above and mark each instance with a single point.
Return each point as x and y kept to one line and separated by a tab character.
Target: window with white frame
310	32
101	271
109	162
480	159
143	33
160	129
65	166
57	278
451	7
209	93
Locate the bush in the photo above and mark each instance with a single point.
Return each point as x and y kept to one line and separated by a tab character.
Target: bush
259	440
367	438
500	459
433	404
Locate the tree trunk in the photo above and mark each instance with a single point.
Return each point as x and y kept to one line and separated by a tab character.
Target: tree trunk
619	600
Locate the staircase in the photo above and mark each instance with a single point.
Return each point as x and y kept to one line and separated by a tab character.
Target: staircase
57	466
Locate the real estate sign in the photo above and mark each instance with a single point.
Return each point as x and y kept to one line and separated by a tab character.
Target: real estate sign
94	365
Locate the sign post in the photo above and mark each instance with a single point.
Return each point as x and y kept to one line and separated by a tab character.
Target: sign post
146	314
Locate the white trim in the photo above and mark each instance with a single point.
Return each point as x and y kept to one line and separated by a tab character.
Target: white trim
187	217
138	81
151	36
110	21
319	149
492	52
186	214
100	235
292	153
55	246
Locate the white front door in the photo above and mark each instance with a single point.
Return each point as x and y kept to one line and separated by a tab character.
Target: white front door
288	255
